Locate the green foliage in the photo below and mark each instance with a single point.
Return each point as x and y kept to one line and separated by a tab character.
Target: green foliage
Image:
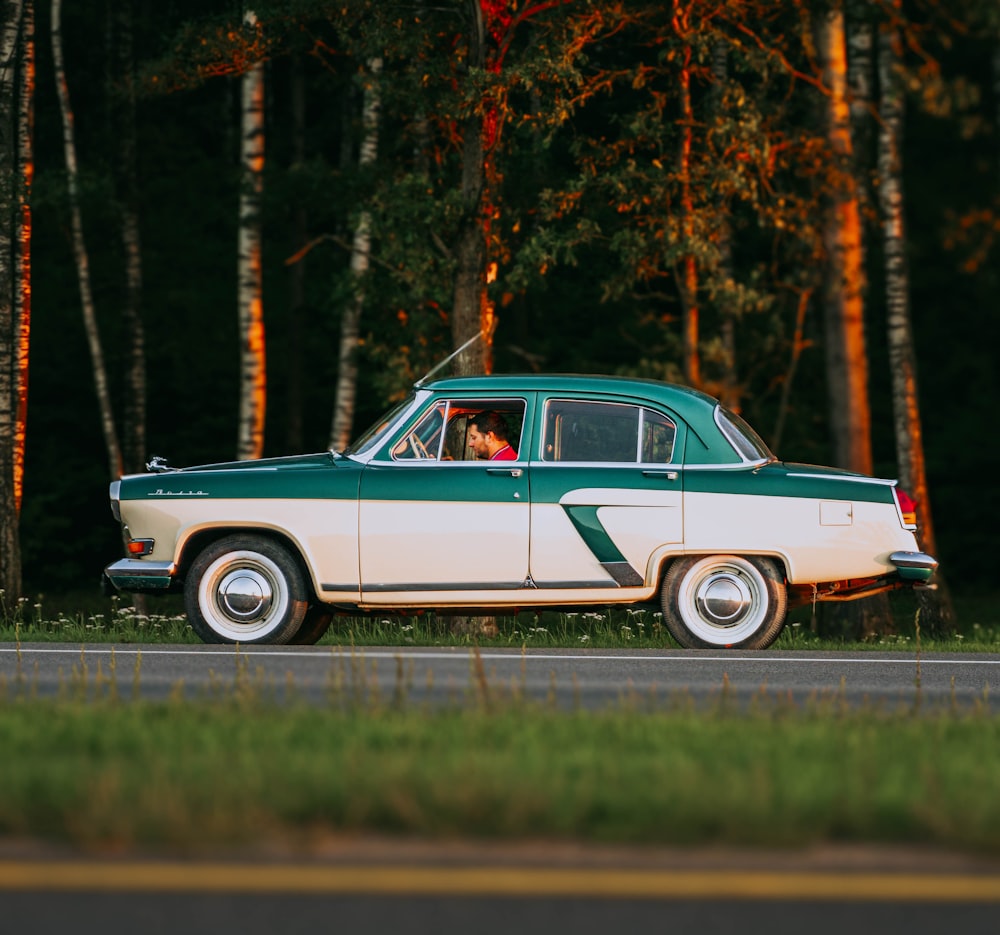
587	225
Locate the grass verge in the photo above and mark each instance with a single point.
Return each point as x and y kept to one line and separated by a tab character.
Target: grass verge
197	776
161	620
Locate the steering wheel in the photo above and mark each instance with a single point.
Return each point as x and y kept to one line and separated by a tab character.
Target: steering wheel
418	448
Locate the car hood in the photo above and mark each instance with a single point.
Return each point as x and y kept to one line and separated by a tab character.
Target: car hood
296	477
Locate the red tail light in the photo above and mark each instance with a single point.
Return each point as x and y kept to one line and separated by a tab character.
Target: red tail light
907	507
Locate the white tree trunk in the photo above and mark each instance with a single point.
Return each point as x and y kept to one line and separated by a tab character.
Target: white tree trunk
936	606
860	71
347	373
250	297
134	429
80	249
902	363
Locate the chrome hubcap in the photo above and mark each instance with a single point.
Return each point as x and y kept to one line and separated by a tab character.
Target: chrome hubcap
723	599
245	595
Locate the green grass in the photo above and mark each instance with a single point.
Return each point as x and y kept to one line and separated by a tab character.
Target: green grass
90	618
240	769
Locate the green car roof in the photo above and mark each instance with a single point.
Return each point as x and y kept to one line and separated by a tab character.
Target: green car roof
692	405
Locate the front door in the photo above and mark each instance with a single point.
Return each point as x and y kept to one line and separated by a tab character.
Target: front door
435	518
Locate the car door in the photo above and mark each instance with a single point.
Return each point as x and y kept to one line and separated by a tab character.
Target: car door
433	518
607	492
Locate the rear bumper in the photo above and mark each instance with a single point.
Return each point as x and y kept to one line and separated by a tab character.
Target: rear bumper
131	574
914	566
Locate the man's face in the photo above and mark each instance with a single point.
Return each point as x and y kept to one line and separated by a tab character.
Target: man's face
479	442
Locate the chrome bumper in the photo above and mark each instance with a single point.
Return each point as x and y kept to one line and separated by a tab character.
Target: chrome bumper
130	574
914	566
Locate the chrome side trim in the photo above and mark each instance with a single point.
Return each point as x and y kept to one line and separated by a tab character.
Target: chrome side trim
854	478
442	586
575	585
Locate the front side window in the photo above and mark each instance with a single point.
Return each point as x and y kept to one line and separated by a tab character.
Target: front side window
451	431
424	441
598	432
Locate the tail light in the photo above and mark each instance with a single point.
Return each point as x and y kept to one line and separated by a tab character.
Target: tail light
907	508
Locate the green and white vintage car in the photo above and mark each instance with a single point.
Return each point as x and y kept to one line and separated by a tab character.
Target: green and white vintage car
617	492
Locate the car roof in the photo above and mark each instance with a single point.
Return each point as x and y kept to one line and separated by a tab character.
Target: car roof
687	401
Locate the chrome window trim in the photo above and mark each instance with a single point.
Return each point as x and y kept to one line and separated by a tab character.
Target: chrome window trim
461	400
741	466
640	425
620	465
726	427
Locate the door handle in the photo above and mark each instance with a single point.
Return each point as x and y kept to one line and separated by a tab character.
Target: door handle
506	472
667	475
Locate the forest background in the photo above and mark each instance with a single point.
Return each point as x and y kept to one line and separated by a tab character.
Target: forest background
291	213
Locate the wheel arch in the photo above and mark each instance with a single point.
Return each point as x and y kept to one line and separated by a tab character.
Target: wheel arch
665	561
200	539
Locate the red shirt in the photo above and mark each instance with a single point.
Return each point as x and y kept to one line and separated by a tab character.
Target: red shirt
504	454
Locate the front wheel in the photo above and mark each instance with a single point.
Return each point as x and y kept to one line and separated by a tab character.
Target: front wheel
314	625
245	589
724	601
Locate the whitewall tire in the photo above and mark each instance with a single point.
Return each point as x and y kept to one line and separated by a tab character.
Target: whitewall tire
246	589
724	602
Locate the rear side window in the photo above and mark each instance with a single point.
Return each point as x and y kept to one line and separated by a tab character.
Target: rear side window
748	444
579	431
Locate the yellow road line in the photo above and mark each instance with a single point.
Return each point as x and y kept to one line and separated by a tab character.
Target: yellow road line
158	876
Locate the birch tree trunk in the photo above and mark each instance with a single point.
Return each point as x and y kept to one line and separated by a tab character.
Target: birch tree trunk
22	264
10	551
860	75
936	609
250	296
347	371
134	440
846	358
80	250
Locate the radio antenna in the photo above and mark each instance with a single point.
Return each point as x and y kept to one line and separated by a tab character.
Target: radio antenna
449	358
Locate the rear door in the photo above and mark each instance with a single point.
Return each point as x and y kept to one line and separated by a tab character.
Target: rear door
607	492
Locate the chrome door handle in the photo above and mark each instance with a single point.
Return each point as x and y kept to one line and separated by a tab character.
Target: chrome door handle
506	472
667	475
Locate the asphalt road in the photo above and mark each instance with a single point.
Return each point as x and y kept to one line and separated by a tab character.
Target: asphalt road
583	678
378	886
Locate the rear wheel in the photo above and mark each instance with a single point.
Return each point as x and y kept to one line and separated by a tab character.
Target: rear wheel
245	589
724	601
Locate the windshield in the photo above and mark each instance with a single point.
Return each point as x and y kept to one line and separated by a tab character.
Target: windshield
374	435
749	445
